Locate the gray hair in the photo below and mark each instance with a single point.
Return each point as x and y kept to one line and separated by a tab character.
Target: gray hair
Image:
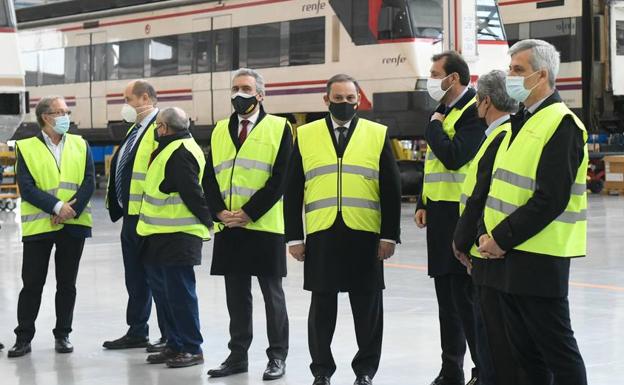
43	107
175	118
544	56
254	74
492	84
141	87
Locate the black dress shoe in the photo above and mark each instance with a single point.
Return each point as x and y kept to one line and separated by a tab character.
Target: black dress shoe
363	380
127	342
321	380
229	368
162	357
275	369
184	360
62	345
442	380
157	346
1	346
20	348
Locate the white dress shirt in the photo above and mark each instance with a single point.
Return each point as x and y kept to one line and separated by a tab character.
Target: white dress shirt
252	122
536	105
57	152
142	129
454	102
337	134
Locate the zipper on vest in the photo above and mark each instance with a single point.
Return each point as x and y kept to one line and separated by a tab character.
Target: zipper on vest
339	184
232	180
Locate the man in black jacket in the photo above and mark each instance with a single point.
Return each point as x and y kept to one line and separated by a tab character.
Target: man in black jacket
343	257
453	136
531	289
244	183
169	254
55	153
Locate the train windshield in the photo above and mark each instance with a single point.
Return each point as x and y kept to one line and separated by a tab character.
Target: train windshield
7	14
489	22
400	19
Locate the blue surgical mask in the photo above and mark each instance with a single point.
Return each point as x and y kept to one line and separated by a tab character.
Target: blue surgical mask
61	124
515	87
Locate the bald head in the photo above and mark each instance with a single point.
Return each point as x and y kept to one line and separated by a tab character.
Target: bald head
174	118
139	93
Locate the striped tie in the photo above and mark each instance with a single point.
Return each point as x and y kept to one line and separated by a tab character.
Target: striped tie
125	156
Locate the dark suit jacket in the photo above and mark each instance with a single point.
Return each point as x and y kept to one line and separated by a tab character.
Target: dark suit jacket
339	258
242	251
46	202
114	210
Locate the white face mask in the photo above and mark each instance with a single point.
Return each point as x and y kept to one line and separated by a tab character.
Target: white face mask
129	113
434	87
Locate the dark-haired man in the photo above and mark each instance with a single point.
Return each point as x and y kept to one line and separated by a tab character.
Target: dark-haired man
453	135
344	175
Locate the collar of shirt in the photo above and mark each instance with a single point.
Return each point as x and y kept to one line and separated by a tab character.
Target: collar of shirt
535	106
454	102
252	122
336	125
146	120
56	149
495	124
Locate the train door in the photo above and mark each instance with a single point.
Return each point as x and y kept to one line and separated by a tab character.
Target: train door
90	89
214	61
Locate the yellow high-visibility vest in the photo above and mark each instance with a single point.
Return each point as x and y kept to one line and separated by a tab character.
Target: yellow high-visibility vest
514	183
166	213
440	183
63	183
241	174
349	184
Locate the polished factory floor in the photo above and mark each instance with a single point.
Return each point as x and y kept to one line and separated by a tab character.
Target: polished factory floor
411	344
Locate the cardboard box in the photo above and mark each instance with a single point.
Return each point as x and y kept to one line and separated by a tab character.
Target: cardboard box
614	172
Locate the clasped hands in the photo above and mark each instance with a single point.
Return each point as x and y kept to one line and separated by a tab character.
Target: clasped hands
384	251
66	213
233	219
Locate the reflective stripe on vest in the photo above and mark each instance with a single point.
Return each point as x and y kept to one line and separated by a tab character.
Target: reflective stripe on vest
241	173
62	183
147	146
167	213
440	183
349	184
514	183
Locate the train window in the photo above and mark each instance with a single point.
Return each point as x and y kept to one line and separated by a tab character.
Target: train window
619	37
489	21
126	59
224	53
7	14
185	54
262	43
31	66
99	62
202	55
565	34
164	56
426	18
77	63
307	41
53	66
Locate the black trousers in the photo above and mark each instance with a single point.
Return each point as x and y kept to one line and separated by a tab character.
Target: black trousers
542	341
240	308
68	251
137	283
367	309
458	323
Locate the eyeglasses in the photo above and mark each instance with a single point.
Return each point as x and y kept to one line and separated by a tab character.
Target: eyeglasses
59	113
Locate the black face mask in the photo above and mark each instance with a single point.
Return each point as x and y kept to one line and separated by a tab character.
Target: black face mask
244	106
343	111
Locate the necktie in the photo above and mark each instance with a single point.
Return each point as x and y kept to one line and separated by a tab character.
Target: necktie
125	156
342	138
242	136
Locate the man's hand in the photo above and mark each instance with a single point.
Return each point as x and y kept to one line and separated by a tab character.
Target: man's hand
463	258
239	219
438	116
226	217
489	248
67	212
386	250
421	218
297	251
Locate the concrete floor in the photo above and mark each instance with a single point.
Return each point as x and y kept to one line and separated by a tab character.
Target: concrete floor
411	344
